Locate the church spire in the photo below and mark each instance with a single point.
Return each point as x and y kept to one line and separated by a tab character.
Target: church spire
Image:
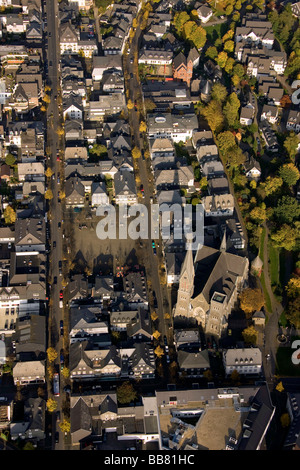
223	246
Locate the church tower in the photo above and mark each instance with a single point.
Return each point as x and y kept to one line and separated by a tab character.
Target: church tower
186	287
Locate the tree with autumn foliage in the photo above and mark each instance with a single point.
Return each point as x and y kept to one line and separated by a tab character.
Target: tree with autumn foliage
251	300
250	335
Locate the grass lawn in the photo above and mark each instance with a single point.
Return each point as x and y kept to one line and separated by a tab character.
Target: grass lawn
274	264
285	366
262	277
215	31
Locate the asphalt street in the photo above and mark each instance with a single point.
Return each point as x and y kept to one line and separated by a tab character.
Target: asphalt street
56	226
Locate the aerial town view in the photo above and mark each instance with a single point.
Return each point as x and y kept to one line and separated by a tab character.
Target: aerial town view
150	227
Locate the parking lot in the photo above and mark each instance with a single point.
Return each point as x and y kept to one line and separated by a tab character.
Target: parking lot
89	254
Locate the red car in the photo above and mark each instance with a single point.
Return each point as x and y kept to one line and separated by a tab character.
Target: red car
57	158
61	295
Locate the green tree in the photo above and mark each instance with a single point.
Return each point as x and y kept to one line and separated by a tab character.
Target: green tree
143	126
126	393
258	214
250	335
251	300
222	59
48	172
286	237
231	109
219	92
158	351
292	312
49	194
226	141
130	104
9	215
214	115
287	209
10	160
289	173
51	405
51	354
180	18
99	150
272	185
291	144
229	65
65	426
239	70
135	152
229	46
149	105
211	52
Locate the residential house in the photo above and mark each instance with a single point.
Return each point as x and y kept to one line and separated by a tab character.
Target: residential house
31	170
213	169
75	194
193	364
135	292
107	105
103	288
112	82
85	326
252	169
255	29
293	121
113	45
234	235
269	113
182	177
124	188
68	38
161	148
140	330
218	186
155	57
99	196
295	7
269	136
30	235
175	127
139	362
72	107
293	406
245	361
173	267
187	339
247	115
77	153
73	130
87	363
78	288
30	337
14	23
29	373
218	205
105	63
121	319
33	425
204	13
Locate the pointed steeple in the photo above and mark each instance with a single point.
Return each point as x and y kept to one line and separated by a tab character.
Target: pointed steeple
186	286
187	268
223	246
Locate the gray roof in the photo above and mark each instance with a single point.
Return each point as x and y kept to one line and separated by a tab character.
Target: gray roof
193	360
